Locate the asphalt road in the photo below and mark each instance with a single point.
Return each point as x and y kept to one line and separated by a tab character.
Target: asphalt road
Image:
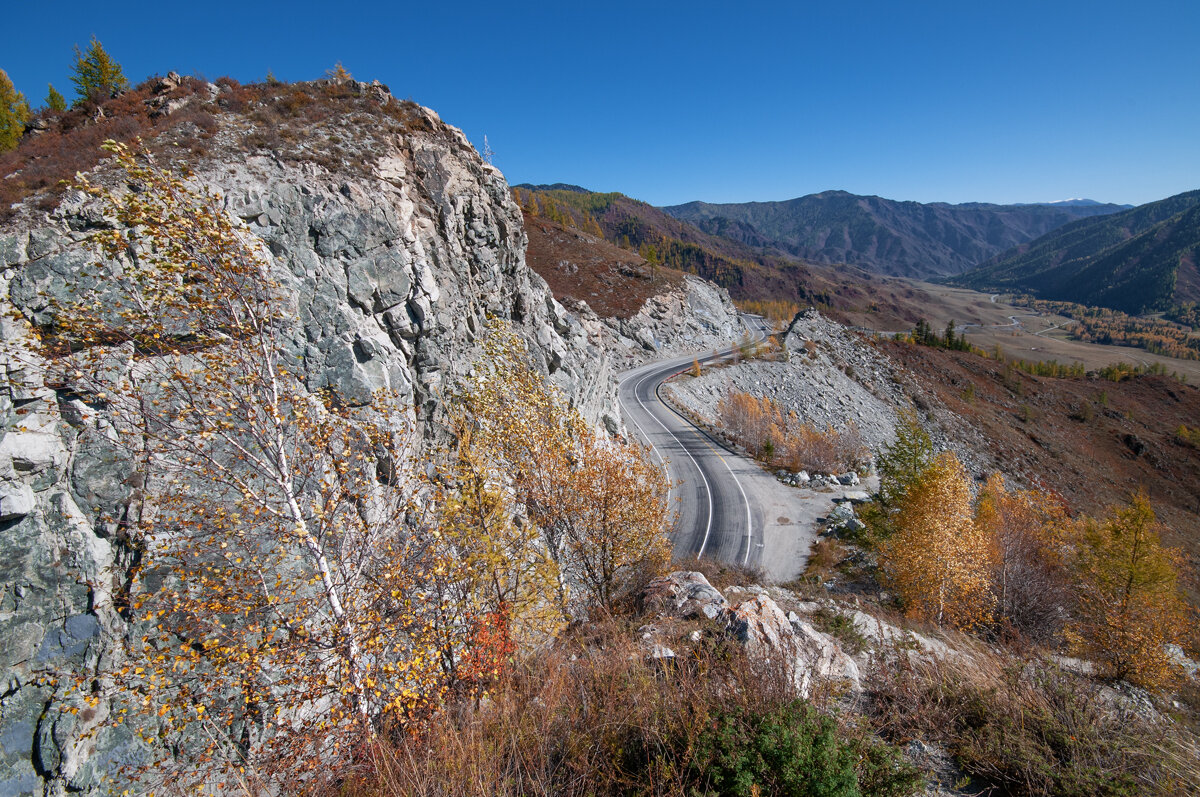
718	516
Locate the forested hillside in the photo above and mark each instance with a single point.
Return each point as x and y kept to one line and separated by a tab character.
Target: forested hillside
1139	260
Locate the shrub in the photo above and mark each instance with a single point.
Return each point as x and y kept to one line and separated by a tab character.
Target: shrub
594	715
792	750
776	435
1188	436
1029	534
831	451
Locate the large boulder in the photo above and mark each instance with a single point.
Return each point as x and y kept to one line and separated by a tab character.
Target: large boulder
684	594
752	617
808	655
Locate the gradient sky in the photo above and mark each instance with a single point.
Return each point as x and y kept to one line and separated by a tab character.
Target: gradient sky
725	102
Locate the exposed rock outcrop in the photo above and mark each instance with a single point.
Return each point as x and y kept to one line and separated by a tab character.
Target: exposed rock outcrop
696	316
394	264
833	376
752	617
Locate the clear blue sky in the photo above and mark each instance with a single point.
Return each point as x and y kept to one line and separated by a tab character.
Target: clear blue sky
735	101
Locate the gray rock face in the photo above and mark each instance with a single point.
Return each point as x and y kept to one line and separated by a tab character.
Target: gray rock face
696	317
393	267
685	594
752	617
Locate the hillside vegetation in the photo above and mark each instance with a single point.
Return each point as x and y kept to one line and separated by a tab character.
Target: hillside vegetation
752	276
1139	260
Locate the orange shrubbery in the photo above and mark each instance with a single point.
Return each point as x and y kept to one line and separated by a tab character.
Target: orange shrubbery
777	436
778	310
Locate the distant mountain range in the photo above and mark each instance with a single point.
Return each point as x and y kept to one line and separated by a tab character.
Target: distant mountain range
1133	259
1077	203
1138	260
885	236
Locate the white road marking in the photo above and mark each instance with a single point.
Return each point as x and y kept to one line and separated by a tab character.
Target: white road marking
736	480
707	487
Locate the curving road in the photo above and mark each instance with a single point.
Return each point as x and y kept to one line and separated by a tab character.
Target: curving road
718	515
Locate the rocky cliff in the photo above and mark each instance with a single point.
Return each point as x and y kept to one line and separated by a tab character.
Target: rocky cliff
396	244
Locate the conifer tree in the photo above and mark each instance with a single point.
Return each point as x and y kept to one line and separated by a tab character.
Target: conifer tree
14	113
96	74
55	100
903	462
1130	606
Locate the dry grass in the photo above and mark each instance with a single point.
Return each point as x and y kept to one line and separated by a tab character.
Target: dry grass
723	575
277	117
1024	727
580	267
594	715
71	142
823	560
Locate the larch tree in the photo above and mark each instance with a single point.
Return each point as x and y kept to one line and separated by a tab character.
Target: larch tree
14	113
937	560
1130	605
55	101
278	591
95	74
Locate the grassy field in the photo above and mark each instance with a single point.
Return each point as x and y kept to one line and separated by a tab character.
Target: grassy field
990	320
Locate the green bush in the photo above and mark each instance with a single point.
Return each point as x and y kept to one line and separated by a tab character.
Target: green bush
794	750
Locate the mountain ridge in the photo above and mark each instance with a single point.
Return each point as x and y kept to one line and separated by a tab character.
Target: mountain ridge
1140	259
892	237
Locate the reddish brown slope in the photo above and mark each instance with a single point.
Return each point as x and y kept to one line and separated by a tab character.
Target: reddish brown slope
1092	440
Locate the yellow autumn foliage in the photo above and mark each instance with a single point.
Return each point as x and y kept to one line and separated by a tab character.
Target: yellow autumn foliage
599	504
1030	536
1130	606
279	572
938	560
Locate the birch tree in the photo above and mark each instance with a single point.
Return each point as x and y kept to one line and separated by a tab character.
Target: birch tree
599	505
278	592
937	560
